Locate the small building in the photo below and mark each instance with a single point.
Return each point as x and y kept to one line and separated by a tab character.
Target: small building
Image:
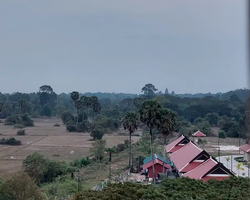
246	149
177	144
160	164
188	157
198	134
155	156
210	169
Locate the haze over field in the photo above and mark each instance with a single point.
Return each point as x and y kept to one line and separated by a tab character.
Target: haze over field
112	46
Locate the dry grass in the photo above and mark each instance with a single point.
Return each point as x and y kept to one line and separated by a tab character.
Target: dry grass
53	142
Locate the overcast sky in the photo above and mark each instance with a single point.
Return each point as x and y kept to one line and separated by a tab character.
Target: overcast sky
188	46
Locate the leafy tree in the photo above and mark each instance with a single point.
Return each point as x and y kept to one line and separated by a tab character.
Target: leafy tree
148	116
212	118
97	134
222	134
149	90
75	97
47	99
98	149
130	122
21	187
166	122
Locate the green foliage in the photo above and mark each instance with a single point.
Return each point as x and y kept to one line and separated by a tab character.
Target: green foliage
19	126
22	120
80	162
174	189
67	117
222	134
20	187
21	132
97	134
10	141
98	149
45	170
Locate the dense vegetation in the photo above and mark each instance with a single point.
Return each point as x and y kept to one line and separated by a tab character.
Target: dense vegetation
174	189
157	114
101	112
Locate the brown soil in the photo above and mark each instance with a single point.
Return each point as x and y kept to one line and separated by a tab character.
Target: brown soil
53	142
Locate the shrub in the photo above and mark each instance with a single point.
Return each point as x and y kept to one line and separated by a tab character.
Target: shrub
18	126
10	141
222	134
21	132
11	120
71	127
24	121
67	117
56	125
97	134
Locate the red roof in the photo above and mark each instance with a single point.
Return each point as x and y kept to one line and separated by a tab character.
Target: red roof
175	148
245	148
191	166
185	155
170	146
198	134
201	170
156	161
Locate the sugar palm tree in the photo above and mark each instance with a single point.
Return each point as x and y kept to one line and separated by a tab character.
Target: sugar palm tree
166	122
75	96
110	151
78	105
148	116
130	122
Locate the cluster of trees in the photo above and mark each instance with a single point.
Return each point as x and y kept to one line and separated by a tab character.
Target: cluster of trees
174	189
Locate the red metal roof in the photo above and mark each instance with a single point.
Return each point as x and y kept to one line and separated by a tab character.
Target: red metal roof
170	146
176	148
191	166
245	148
198	134
201	170
182	157
156	161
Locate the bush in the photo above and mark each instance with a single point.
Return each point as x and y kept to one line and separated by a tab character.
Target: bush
11	141
71	127
23	120
97	134
18	126
222	134
80	162
56	125
20	132
67	117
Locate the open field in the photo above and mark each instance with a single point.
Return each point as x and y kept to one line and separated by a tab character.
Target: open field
53	142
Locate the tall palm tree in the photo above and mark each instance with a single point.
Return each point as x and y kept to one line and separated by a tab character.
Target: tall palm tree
75	96
78	105
22	104
148	116
166	122
130	122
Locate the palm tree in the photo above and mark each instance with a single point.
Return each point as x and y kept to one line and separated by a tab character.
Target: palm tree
78	105
110	151
22	104
239	167
130	122
148	116
75	96
166	122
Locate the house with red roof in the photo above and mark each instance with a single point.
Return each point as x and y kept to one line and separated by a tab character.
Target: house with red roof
210	169
177	144
246	149
188	157
159	166
198	134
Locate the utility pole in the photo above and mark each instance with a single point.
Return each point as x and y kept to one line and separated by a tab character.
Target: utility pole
219	147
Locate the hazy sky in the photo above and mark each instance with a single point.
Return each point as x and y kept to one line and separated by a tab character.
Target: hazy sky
120	45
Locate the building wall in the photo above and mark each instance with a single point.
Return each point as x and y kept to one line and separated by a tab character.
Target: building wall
246	156
158	169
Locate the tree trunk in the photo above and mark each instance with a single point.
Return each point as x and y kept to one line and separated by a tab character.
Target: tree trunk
77	114
151	145
129	162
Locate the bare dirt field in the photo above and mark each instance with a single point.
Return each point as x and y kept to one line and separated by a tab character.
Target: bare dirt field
53	142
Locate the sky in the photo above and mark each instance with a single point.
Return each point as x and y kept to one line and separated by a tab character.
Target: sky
120	45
